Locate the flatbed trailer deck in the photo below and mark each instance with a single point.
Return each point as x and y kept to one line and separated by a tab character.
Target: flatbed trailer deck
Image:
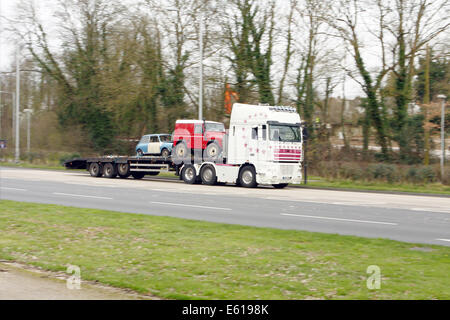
124	167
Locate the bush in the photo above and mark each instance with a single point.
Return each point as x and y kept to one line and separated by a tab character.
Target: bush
386	172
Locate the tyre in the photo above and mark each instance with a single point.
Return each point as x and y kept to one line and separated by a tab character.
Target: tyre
96	170
109	171
153	173
213	152
208	175
140	153
138	175
280	186
123	170
165	153
180	152
247	177
189	174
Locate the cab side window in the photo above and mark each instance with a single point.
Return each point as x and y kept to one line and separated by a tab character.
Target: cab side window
154	139
255	133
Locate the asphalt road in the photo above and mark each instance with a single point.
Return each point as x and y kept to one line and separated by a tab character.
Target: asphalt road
410	218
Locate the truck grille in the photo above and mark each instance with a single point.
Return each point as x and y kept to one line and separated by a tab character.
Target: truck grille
287	155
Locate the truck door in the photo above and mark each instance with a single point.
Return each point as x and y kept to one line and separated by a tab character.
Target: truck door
262	143
253	147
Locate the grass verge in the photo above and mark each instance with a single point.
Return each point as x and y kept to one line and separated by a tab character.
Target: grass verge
184	259
431	188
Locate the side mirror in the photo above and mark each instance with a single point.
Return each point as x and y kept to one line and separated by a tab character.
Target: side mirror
305	134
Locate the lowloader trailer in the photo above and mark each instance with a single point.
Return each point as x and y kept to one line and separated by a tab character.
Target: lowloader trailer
124	167
264	145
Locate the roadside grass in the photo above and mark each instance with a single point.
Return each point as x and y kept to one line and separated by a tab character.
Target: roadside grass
31	166
431	188
183	259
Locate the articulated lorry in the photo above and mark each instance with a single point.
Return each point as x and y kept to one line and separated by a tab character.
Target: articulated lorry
262	146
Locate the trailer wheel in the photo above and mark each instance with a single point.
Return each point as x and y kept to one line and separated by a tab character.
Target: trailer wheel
247	177
280	186
208	175
213	153
138	175
109	171
189	174
123	169
96	170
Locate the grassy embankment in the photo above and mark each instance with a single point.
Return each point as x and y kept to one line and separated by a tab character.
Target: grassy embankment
182	259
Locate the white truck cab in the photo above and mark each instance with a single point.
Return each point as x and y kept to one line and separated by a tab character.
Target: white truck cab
263	146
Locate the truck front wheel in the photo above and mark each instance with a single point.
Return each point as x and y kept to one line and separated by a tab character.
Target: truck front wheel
247	177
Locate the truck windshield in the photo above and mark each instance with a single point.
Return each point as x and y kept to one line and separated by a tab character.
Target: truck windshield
285	133
215	127
166	138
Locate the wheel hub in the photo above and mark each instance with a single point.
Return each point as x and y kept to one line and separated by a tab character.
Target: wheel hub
190	173
247	177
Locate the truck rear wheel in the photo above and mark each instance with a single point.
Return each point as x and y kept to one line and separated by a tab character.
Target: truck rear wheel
96	170
109	170
123	169
247	177
208	175
189	174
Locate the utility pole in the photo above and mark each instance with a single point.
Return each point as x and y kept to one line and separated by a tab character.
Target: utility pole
28	112
200	99
442	97
17	153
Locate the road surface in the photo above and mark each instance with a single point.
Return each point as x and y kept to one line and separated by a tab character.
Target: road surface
410	218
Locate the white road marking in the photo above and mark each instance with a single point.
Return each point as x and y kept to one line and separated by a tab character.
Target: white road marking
81	196
430	210
339	219
192	206
13	189
446	240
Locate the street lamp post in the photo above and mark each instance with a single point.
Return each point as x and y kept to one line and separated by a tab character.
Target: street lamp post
17	153
200	99
212	5
28	112
442	97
